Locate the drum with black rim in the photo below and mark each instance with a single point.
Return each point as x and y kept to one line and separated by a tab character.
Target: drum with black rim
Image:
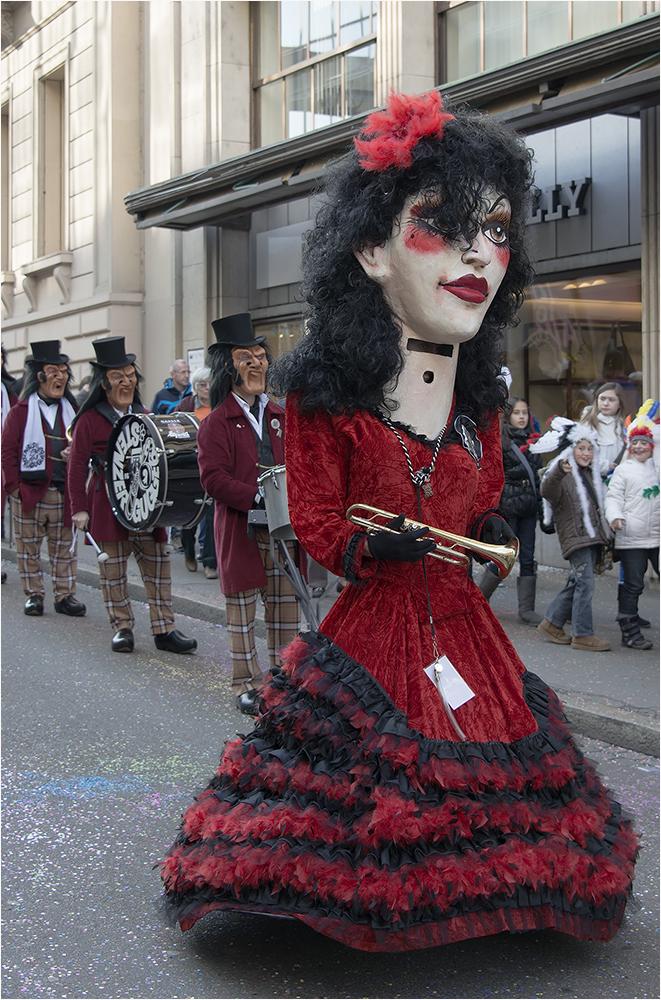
152	475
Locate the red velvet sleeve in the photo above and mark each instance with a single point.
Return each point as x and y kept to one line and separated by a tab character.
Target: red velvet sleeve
81	452
491	478
318	451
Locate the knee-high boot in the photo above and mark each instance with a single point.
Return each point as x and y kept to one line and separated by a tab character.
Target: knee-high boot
488	583
525	589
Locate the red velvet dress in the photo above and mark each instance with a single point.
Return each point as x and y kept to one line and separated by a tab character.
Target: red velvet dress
354	805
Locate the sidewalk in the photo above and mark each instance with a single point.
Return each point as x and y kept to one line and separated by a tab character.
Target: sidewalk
611	696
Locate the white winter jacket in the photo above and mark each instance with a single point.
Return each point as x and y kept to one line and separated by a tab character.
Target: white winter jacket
625	498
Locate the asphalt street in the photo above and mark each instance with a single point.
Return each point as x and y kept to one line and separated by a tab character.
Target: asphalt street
103	751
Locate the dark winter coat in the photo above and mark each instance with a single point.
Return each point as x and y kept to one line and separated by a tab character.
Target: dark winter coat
559	489
520	497
167	398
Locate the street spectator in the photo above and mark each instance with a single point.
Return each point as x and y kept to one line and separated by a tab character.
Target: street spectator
242	436
632	510
114	391
34	458
572	491
83	390
606	416
198	404
9	399
520	502
175	388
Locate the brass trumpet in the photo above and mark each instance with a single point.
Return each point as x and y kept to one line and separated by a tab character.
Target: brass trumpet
504	556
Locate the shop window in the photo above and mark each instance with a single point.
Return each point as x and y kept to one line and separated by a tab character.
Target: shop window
481	36
281	337
575	334
313	64
51	164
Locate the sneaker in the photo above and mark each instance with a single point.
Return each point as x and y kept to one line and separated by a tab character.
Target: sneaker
210	573
590	642
554	633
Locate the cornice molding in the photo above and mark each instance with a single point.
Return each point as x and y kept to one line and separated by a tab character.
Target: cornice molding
177	202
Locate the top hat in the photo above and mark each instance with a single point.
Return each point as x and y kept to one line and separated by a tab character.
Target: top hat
111	353
47	352
235	331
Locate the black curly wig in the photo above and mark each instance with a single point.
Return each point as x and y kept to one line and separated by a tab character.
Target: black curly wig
98	387
350	357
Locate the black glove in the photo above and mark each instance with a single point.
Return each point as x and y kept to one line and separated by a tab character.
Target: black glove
403	547
548	529
495	531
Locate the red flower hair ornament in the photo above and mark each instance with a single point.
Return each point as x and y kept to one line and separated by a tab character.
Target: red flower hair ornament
390	136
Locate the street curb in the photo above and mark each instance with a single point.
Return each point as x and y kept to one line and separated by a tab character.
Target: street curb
180	605
618	732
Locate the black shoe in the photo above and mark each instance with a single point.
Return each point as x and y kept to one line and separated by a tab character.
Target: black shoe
247	703
631	634
643	623
34	605
122	641
3	577
70	606
175	642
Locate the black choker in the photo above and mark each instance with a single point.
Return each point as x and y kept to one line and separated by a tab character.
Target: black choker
426	347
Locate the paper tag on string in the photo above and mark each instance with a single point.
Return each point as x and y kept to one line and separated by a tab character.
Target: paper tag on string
443	675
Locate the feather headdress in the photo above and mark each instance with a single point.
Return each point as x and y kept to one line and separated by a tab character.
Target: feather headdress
563	436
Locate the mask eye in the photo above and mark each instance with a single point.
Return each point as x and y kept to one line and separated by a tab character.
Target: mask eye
497	232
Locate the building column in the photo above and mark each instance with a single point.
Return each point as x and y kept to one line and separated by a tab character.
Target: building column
649	139
405	48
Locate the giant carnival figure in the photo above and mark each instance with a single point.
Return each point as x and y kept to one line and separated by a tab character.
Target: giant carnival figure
408	783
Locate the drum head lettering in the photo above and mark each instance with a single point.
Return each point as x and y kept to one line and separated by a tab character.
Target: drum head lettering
136	473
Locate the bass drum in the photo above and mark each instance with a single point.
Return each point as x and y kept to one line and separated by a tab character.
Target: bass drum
152	476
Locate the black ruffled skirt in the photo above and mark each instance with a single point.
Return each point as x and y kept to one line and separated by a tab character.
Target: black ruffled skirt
333	811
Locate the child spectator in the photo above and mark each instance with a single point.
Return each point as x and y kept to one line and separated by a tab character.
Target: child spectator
519	504
606	416
572	491
632	510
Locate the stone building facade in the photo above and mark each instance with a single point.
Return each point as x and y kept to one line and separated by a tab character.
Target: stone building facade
161	161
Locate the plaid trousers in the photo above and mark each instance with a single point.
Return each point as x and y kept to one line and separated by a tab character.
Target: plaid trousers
281	614
44	520
154	569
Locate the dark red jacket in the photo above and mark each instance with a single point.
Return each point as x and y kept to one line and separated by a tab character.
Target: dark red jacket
90	436
30	490
229	468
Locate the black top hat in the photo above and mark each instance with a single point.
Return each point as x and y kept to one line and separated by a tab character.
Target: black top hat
235	331
111	353
47	352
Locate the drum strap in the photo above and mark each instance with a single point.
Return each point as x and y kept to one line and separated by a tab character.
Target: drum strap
98	461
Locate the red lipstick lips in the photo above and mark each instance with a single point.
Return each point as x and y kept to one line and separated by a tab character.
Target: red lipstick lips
469	288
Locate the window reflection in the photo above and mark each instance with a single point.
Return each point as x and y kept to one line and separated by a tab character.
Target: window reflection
575	335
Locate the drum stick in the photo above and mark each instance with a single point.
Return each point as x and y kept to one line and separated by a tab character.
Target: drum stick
74	536
100	555
167	548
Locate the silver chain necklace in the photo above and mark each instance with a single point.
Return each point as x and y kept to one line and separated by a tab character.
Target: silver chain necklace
421	478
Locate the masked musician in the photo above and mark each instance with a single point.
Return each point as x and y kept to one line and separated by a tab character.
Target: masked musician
114	390
409	782
241	437
34	458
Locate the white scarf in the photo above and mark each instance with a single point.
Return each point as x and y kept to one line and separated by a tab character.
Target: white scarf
33	455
